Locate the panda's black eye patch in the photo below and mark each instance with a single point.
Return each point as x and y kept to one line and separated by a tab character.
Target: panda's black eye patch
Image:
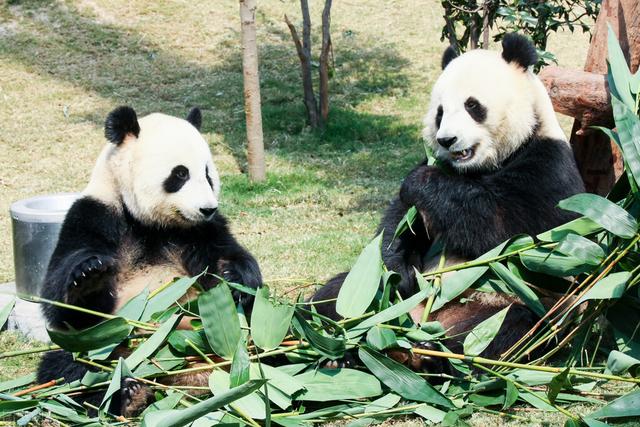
206	171
439	114
179	175
476	110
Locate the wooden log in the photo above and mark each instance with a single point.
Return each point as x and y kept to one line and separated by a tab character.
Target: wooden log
598	158
579	94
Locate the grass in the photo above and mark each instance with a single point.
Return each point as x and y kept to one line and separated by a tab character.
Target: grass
65	65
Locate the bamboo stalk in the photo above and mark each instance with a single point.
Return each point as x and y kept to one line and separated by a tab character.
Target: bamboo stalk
484	361
38	387
28	351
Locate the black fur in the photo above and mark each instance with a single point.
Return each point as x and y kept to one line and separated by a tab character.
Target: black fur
439	115
119	123
206	171
519	49
87	254
472	213
449	55
176	180
195	117
476	110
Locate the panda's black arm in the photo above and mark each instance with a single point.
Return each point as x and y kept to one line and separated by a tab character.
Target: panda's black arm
474	213
217	251
81	266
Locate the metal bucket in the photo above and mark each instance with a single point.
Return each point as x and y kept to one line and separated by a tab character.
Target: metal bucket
36	224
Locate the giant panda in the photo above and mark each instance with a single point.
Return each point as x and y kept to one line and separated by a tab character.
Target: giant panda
503	164
149	214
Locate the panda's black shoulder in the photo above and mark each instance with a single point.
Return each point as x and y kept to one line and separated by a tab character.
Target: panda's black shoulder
89	217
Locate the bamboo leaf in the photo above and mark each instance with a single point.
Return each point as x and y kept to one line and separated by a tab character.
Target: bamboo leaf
390	313
581	248
220	319
511	395
110	331
270	320
543	260
581	226
167	296
602	211
362	282
381	338
406	222
8	407
324	385
628	127
178	418
519	287
401	379
17	382
251	404
619	363
6	311
240	368
481	336
328	346
625	406
151	344
120	372
619	75
134	308
557	384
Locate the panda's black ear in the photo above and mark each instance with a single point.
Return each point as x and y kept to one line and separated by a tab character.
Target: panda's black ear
195	117
518	49
121	122
449	55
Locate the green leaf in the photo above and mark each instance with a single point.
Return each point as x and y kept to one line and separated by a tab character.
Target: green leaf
581	248
251	404
619	363
558	382
383	403
401	379
8	407
325	385
406	222
167	296
625	406
519	287
270	320
6	311
543	260
119	373
220	319
628	127
619	70
381	338
178	418
281	386
240	368
431	414
362	282
635	83
178	340
110	331
17	382
328	346
482	335
602	211
511	395
581	226
151	344
134	308
611	286
390	313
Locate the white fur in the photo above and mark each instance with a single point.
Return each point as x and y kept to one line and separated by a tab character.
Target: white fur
515	99
134	171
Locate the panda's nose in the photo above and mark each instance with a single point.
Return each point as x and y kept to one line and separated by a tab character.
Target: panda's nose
208	212
447	142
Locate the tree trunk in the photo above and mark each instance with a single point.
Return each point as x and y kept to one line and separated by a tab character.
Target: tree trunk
598	158
255	144
304	54
325	53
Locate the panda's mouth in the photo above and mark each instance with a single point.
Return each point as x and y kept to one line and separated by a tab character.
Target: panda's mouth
464	155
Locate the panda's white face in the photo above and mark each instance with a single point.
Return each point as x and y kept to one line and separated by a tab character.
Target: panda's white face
483	108
164	177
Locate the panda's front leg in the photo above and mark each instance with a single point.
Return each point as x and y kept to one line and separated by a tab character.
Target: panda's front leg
243	269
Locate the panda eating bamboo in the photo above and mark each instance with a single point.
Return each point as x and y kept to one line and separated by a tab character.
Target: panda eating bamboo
504	164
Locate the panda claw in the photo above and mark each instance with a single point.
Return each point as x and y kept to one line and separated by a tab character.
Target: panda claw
75	283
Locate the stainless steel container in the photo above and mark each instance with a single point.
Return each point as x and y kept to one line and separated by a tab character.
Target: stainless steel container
36	224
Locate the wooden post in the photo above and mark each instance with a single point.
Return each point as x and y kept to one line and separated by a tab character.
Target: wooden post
253	111
598	158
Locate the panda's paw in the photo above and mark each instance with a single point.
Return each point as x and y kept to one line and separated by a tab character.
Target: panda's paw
90	268
419	362
346	361
134	397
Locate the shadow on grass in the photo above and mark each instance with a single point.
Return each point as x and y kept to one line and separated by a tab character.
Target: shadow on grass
57	40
